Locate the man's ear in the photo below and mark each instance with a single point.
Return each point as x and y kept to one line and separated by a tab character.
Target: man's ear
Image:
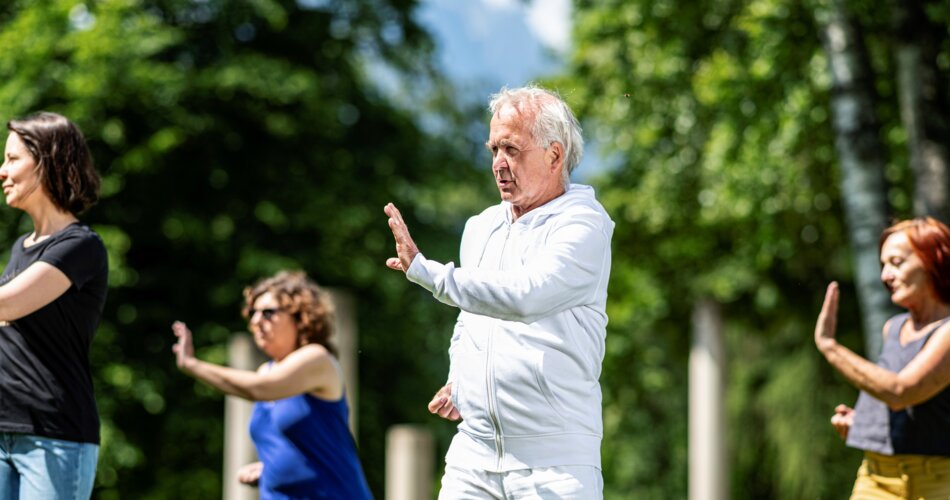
554	155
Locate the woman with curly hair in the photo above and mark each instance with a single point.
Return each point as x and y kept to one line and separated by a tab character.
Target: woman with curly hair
299	422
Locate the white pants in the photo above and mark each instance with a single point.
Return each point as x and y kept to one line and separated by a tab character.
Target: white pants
574	482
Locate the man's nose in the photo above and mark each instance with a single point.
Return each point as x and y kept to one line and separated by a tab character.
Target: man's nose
499	162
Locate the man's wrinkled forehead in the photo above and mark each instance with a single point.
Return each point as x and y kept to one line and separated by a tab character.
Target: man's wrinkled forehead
509	122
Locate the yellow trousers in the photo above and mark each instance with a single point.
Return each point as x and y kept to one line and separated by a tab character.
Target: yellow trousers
905	477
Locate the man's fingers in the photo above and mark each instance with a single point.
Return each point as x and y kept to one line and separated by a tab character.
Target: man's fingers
443	407
399	232
394	263
394	213
447	410
395	218
436	404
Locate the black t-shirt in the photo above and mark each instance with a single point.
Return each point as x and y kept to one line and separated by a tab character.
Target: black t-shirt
45	380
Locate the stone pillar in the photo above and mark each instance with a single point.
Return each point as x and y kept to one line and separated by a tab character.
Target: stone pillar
708	457
238	448
346	340
410	452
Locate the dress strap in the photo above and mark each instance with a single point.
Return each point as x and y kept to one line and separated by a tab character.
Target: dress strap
894	329
936	327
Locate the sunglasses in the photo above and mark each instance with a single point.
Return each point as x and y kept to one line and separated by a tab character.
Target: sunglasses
266	313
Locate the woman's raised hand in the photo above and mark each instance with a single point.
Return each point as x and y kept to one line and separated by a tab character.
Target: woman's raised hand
183	349
827	319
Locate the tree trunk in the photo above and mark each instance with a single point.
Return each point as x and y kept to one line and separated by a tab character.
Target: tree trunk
923	106
861	158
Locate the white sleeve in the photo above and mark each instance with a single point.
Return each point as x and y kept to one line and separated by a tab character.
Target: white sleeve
566	273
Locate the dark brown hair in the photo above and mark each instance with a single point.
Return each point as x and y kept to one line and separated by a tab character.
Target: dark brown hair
63	161
930	240
303	299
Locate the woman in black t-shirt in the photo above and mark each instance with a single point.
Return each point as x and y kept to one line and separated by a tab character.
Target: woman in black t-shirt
52	292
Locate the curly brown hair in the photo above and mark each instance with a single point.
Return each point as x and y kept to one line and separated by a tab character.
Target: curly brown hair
304	300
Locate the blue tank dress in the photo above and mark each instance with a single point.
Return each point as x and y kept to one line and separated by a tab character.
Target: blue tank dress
307	450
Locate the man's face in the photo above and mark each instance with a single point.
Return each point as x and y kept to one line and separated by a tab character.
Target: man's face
527	175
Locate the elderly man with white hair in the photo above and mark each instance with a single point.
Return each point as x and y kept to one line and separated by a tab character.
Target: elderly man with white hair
526	352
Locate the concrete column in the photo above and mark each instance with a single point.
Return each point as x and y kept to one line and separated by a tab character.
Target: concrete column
346	340
238	448
410	452
708	467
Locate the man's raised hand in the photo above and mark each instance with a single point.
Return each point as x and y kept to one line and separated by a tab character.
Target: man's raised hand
406	249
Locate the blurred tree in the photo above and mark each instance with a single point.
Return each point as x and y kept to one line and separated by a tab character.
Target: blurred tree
236	139
925	114
861	157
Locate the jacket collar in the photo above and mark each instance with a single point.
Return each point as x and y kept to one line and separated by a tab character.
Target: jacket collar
575	194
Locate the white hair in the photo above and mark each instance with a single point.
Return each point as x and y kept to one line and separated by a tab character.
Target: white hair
553	121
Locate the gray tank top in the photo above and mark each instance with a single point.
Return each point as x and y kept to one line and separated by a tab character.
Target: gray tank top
923	429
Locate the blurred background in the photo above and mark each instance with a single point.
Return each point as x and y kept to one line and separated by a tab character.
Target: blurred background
749	151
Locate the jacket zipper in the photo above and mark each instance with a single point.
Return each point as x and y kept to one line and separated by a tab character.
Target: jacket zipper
492	403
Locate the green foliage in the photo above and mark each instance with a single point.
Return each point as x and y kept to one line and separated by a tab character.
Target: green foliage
239	138
716	114
236	139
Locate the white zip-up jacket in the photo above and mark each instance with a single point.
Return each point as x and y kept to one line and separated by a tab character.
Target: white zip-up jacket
527	349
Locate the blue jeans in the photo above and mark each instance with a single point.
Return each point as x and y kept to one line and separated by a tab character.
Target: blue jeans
40	467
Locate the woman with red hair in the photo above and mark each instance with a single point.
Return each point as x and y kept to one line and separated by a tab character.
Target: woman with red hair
902	417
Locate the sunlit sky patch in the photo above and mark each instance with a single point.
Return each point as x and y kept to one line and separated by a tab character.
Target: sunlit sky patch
489	43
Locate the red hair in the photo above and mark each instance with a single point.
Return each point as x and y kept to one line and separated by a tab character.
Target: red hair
930	240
